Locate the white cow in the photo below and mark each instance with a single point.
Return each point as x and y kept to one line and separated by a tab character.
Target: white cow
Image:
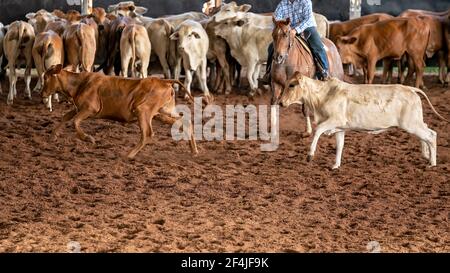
126	8
135	46
340	106
248	43
17	44
193	44
232	10
40	19
159	31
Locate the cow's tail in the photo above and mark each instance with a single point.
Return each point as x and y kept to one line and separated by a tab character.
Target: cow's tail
45	47
22	32
431	105
133	50
188	95
81	49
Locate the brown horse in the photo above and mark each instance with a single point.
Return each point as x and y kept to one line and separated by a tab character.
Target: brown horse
291	56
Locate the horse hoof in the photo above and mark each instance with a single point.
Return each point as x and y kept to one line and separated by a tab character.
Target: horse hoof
309	158
306	135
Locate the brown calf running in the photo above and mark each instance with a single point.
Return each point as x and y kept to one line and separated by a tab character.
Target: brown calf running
115	98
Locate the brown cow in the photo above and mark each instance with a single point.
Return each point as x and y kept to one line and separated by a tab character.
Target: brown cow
114	33
48	50
80	46
58	26
436	43
72	16
108	97
135	46
338	29
369	43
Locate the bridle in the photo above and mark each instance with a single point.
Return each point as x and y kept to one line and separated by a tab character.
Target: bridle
285	55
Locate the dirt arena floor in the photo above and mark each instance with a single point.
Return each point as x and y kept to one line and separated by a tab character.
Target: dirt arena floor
230	198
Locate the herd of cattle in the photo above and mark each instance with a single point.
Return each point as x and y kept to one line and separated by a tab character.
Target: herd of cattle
225	39
123	41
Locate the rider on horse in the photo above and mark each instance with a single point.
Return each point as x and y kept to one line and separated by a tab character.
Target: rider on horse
302	22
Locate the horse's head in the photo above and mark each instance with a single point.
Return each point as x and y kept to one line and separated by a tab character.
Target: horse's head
283	39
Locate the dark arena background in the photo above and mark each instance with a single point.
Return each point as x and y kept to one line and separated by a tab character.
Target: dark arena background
69	195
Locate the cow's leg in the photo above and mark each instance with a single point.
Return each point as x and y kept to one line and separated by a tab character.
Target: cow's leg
79	117
442	65
365	74
29	63
188	79
66	118
12	83
39	63
387	71
351	70
125	63
425	150
250	71
165	66
38	86
226	72
256	76
144	67
321	128
307	114
419	68
340	137
429	137
371	67
177	72
171	120
217	85
400	74
202	77
144	121
411	70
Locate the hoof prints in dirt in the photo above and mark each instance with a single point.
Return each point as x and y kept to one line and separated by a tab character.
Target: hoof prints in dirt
231	197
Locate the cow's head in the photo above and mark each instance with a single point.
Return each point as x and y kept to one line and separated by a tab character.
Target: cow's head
40	19
293	91
347	47
229	28
52	83
186	37
231	10
126	9
73	16
99	16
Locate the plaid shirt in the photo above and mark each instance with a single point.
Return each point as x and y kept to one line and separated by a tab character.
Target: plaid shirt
300	12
